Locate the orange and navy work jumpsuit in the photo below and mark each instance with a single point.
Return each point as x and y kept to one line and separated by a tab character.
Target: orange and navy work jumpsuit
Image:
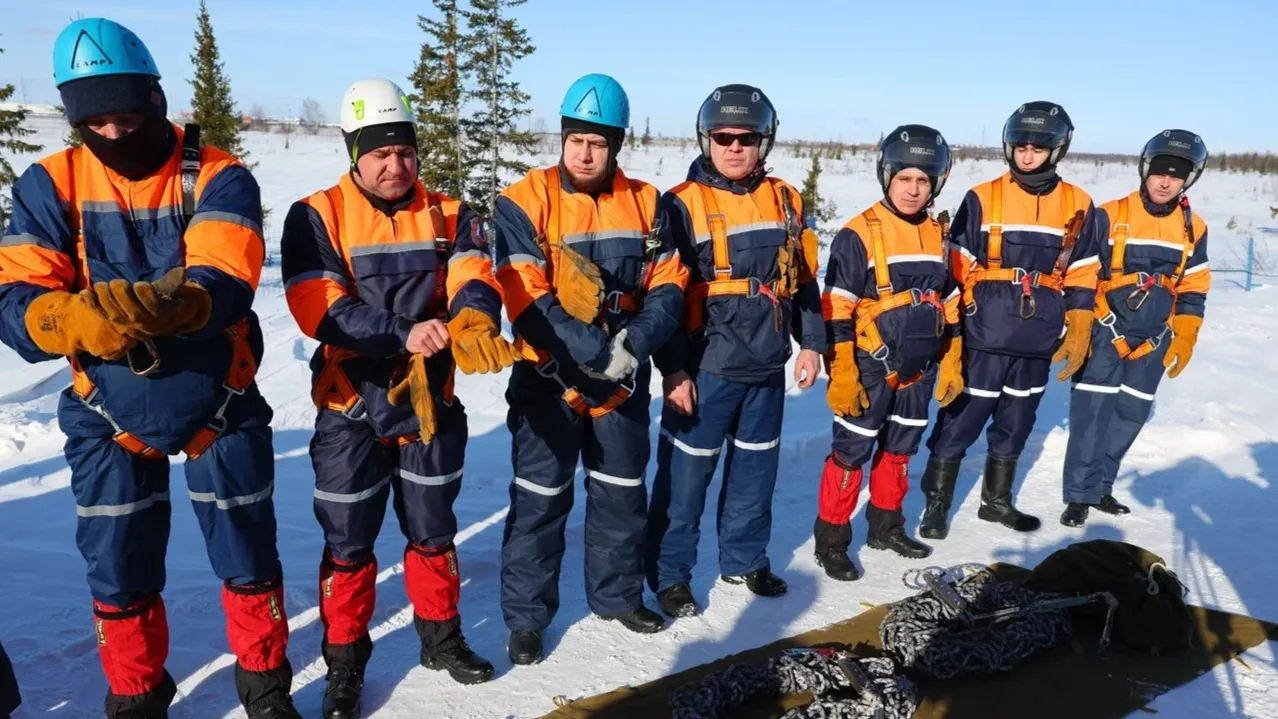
740	319
1007	252
1153	266
557	412
76	223
359	273
888	290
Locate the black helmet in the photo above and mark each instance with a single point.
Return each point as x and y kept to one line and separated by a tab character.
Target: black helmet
1181	144
917	146
737	106
1042	124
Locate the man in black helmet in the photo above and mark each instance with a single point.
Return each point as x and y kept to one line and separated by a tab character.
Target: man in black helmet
752	286
1153	281
1024	250
889	304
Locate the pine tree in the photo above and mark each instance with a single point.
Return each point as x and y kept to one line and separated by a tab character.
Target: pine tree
72	138
630	137
497	42
813	204
11	134
647	132
438	80
211	105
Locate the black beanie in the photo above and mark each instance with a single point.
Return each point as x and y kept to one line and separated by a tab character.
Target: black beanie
614	135
112	95
1172	166
366	139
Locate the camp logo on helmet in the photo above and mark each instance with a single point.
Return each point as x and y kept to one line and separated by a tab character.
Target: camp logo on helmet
589	104
88	55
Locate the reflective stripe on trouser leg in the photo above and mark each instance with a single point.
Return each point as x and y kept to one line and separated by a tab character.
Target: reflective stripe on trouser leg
231	487
687	453
903	430
1134	404
352	483
122	508
1091	410
855	437
1017	408
546	440
749	477
959	424
427	479
615	457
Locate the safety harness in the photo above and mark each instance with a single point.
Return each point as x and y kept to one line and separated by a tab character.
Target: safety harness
868	312
616	301
993	271
1141	283
240	374
796	261
333	389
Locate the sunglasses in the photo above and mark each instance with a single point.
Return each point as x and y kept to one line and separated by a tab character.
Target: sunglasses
747	139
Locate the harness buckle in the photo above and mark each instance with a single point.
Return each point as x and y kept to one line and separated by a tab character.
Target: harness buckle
357	412
1141	291
154	353
613	301
1107	321
881	354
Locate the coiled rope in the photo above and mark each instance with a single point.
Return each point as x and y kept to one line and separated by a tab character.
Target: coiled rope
843	688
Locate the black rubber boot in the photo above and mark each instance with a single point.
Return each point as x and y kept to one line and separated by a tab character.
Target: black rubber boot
444	648
642	621
1075	515
1109	505
265	695
996	497
938	487
677	601
150	705
346	663
525	647
887	531
761	581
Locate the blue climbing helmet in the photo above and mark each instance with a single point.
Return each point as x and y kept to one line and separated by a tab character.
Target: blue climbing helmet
597	99
94	47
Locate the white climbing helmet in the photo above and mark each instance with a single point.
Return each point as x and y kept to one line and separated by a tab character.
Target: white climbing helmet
375	101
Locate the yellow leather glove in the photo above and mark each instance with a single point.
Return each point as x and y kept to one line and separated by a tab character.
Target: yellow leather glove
169	305
949	373
414	388
579	286
1184	337
1077	343
844	394
63	323
477	343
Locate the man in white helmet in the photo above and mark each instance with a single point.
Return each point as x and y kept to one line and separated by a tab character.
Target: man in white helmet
396	283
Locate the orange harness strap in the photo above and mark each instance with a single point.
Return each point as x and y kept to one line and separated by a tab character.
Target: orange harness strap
868	337
239	376
1141	281
723	284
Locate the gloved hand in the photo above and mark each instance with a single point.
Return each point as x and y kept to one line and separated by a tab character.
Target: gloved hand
415	388
477	343
949	373
617	362
63	323
169	305
845	395
1184	337
579	286
1077	343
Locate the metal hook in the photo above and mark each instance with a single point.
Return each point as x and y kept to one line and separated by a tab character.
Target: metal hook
154	359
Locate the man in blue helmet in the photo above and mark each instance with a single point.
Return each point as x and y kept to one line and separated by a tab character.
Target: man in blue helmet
752	286
1024	251
137	258
591	284
1153	282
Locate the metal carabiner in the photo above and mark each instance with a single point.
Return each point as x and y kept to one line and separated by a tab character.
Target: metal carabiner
154	359
1028	300
1147	283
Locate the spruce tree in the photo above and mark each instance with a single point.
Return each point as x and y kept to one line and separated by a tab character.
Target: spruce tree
647	132
492	135
11	134
438	81
813	204
72	138
211	105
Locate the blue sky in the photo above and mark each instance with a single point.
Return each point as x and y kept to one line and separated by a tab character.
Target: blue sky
1123	69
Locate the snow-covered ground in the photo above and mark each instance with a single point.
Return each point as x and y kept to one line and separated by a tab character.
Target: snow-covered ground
1200	481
